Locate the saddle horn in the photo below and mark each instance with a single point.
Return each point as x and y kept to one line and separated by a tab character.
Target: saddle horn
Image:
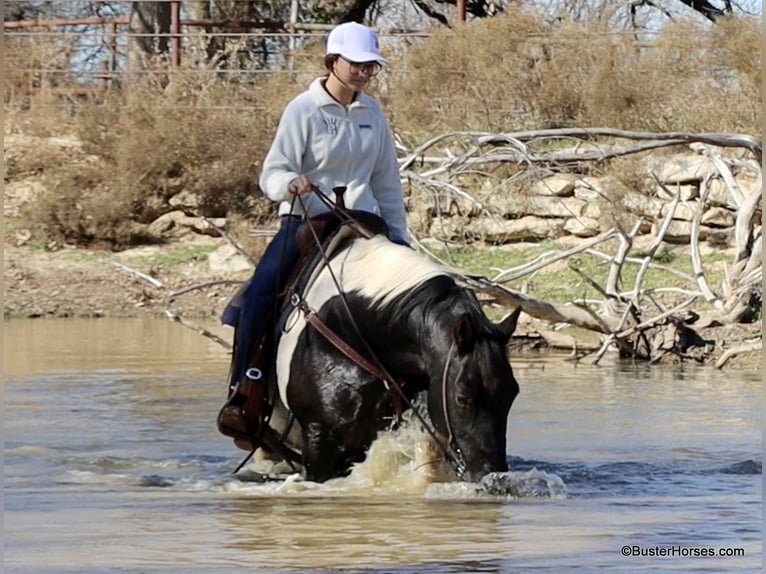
339	191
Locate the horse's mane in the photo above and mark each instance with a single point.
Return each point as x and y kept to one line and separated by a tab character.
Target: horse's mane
396	280
382	271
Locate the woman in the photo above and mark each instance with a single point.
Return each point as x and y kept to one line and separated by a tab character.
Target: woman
333	134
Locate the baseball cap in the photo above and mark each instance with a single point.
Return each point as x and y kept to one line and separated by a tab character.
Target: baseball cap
355	42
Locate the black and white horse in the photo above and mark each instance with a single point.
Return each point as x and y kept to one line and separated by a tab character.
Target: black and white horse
428	334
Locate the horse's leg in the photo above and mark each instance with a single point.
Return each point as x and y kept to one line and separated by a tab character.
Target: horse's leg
320	452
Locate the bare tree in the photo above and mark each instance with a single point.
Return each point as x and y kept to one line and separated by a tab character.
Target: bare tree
655	10
149	29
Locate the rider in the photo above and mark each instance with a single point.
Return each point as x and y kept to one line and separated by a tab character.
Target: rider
333	134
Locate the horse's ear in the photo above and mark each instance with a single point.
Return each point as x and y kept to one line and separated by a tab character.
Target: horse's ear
508	325
463	334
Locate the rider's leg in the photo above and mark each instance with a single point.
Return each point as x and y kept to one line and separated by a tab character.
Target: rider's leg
259	299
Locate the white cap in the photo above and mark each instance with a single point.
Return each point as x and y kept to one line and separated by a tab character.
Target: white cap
355	42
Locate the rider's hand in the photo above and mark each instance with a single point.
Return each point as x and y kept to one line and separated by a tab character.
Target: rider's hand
300	185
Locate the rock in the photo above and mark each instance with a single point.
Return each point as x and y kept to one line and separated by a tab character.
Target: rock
174	224
687	191
185	198
227	260
600	188
529	228
719	194
177	224
683	168
718	217
582	226
541	206
678	232
559	185
640	204
17	194
683	211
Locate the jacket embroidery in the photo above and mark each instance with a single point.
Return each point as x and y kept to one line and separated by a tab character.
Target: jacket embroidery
331	125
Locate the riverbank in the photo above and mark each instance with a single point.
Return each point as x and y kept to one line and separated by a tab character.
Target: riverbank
144	282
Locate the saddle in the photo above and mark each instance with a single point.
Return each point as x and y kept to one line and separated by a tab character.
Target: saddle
246	412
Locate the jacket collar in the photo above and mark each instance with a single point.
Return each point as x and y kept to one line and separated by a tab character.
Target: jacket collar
323	98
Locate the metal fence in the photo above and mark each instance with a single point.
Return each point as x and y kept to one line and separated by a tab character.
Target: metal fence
82	56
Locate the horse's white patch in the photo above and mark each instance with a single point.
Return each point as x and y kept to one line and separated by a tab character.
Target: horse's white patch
375	268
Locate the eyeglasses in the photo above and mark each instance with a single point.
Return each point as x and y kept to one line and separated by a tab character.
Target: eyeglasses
368	68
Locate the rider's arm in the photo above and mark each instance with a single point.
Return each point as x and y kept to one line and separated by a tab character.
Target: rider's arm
282	163
387	187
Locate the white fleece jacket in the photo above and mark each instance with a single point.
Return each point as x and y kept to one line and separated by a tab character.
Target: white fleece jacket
334	146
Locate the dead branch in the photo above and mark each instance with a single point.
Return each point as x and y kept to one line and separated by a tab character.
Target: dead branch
169	295
654	246
748	348
553	312
230	241
699	273
544	261
731	184
615	269
676	272
205	285
743	229
148	278
176	318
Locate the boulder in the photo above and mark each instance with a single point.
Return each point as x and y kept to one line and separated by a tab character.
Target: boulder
582	226
719	194
528	228
687	191
641	204
718	217
559	185
228	260
683	211
176	224
680	168
540	206
599	188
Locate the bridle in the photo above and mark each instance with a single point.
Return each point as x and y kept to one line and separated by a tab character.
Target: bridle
451	441
450	449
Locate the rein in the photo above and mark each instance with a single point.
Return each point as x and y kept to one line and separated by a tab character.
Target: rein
451	443
452	453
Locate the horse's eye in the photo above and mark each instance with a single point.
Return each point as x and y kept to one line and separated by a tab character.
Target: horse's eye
463	401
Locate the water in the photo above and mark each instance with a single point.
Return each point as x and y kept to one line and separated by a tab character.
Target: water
113	464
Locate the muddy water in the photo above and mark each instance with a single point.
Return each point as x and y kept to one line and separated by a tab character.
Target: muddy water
113	463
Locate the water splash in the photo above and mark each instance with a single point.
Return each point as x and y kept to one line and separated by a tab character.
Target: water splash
532	483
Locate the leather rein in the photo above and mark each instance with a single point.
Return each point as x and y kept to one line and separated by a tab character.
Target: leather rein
450	449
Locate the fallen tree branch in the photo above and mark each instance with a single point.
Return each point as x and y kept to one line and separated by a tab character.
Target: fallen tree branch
748	348
176	318
205	285
172	315
522	270
230	241
135	272
699	272
553	312
654	246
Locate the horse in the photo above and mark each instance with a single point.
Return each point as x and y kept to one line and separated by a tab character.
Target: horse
406	314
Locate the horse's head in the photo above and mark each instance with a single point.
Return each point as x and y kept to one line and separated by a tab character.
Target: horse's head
469	400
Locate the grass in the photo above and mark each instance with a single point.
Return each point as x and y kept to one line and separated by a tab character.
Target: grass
171	257
560	283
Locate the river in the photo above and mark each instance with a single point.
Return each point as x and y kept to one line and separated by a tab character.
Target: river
112	463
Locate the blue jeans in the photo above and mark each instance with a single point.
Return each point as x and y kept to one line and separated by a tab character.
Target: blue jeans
260	297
